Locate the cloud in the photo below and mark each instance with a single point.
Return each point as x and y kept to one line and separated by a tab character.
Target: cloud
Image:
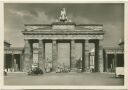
110	15
113	33
82	20
42	18
20	13
15	20
30	17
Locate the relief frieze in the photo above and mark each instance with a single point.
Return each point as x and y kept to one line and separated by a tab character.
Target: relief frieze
63	36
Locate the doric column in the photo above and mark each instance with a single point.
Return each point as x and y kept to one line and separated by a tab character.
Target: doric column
15	65
54	54
106	64
115	61
100	58
72	54
12	61
31	52
41	59
20	62
96	55
27	54
86	55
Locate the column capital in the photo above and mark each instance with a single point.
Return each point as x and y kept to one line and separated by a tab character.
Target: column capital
26	41
86	40
87	45
54	39
100	44
115	53
40	39
72	41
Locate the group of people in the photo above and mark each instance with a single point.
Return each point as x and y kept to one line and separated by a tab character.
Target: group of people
12	68
62	68
48	66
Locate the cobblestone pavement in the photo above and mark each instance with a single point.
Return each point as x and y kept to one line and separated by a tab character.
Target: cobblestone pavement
63	79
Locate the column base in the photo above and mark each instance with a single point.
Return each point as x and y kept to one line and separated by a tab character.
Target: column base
27	68
88	69
73	69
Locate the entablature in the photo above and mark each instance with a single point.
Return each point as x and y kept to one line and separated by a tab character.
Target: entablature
113	50
13	50
65	32
63	27
57	37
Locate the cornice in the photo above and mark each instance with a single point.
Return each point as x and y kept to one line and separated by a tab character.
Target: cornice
63	32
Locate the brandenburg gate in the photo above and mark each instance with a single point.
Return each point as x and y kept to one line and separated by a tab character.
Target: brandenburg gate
63	31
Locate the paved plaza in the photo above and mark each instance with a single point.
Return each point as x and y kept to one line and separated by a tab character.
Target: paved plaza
72	78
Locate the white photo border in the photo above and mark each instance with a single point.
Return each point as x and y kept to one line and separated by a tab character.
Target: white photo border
2	86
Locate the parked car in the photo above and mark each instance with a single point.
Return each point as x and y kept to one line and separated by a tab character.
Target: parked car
34	65
119	72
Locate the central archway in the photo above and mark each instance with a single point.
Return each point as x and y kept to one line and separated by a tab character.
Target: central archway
64	53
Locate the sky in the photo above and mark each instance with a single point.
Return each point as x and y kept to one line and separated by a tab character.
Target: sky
18	14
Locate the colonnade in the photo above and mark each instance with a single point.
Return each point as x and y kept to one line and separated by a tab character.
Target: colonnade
41	57
114	62
13	66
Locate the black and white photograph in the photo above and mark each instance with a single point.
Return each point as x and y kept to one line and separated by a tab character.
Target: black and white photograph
64	44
